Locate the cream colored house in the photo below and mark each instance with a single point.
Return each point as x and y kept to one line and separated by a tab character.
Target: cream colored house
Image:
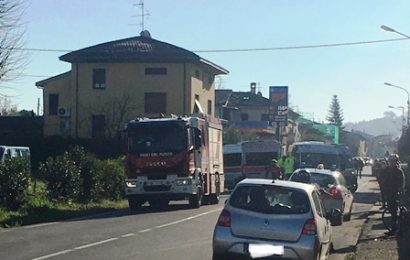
113	82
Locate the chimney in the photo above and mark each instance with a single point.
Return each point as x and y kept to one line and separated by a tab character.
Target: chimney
253	87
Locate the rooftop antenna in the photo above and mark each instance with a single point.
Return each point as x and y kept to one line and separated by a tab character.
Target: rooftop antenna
142	15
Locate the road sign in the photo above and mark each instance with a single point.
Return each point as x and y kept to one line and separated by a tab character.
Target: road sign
278	96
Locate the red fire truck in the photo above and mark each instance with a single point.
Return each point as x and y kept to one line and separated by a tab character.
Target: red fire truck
174	159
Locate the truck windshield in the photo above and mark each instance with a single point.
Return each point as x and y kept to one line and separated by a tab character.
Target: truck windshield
155	137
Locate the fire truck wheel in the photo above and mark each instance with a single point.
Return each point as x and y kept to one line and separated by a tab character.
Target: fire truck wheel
214	199
195	200
134	204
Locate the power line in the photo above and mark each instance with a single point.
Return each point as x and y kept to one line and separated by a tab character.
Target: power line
304	46
254	49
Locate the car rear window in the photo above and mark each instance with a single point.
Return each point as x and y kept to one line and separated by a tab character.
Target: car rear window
270	199
323	180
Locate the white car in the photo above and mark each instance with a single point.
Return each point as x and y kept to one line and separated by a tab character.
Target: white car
335	193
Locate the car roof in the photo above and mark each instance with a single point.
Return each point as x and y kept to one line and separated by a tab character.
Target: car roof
321	171
288	184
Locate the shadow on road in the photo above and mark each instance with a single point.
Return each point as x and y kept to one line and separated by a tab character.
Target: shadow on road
365	197
344	250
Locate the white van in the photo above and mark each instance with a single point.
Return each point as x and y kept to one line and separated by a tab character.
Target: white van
9	152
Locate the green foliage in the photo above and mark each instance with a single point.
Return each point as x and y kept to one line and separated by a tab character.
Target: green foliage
112	179
14	183
81	177
62	176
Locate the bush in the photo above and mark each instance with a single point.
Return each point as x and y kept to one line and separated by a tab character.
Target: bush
81	177
14	183
62	176
112	179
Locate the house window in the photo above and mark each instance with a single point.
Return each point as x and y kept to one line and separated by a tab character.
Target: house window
155	102
209	107
265	117
98	126
155	71
98	78
244	117
53	104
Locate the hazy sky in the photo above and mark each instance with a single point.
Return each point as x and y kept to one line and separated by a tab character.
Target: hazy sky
355	73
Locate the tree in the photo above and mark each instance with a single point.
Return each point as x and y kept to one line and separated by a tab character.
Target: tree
335	115
6	107
11	57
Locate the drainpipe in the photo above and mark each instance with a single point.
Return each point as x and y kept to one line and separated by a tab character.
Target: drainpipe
184	94
76	100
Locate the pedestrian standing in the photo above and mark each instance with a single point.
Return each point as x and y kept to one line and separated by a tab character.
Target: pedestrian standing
274	172
393	186
289	166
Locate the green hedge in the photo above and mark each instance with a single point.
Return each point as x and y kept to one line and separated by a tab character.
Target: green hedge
14	183
80	176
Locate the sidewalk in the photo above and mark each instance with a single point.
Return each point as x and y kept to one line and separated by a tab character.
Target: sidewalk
374	244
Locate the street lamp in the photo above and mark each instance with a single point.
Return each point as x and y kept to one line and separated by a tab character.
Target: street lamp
404	120
389	29
408	100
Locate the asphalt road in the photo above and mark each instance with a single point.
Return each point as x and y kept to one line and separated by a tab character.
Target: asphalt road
177	232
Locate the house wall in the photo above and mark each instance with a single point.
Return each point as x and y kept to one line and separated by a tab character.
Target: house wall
254	113
64	88
122	98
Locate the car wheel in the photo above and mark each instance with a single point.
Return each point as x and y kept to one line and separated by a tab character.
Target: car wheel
348	217
216	256
195	200
134	204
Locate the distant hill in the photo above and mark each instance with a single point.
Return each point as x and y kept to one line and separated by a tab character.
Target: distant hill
390	124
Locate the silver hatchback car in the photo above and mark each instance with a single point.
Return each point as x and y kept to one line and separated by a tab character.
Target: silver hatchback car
265	218
335	193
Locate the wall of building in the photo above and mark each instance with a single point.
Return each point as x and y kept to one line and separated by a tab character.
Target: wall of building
64	88
123	97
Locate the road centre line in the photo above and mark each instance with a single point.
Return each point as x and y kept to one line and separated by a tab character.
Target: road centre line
96	243
123	236
128	235
186	219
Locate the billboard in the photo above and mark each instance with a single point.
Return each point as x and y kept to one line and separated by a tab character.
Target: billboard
278	96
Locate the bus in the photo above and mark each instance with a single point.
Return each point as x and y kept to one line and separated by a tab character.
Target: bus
248	159
310	154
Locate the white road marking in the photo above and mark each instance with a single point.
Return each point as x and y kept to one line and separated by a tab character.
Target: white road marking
40	225
145	230
122	236
186	219
96	243
54	254
128	235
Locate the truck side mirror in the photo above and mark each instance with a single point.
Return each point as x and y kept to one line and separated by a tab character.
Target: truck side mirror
197	138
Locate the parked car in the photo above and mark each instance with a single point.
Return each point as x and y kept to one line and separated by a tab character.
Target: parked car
334	191
265	218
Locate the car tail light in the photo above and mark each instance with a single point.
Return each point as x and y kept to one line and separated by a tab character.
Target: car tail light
335	192
310	227
224	219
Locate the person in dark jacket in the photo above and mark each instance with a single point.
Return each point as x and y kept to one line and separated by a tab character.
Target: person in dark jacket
393	185
274	172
